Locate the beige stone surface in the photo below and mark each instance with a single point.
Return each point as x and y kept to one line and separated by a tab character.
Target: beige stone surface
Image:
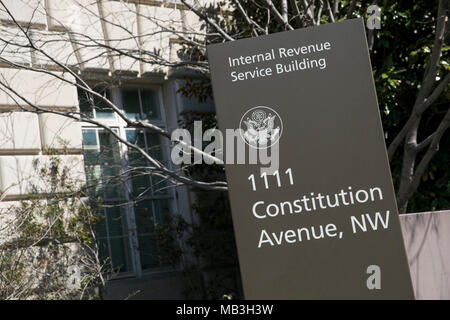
25	11
427	242
81	17
154	23
125	26
19	132
20	175
38	88
58	44
12	44
59	132
122	33
17	175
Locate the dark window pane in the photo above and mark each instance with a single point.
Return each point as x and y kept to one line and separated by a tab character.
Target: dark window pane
162	212
103	250
137	163
100	227
150	104
85	104
91	161
89	139
116	221
145	222
159	185
140	184
135	137
154	249
131	106
102	109
90	146
120	254
94	182
154	146
111	164
88	102
148	250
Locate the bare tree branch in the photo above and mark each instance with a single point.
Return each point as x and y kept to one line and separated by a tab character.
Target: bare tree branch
422	101
433	142
208	20
284	10
278	15
255	27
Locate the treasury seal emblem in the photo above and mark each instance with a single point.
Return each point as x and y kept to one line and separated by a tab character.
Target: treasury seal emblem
261	127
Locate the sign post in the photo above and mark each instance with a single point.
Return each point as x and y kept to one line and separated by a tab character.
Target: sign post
312	199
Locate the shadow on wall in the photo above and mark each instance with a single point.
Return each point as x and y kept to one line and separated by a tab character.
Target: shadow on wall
427	242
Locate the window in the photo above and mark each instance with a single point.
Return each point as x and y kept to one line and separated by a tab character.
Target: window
141	104
93	106
132	198
102	162
151	143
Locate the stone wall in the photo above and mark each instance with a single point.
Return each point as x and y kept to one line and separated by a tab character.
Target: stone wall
427	242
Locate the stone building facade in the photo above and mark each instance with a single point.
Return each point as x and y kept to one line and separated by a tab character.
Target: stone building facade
82	35
77	33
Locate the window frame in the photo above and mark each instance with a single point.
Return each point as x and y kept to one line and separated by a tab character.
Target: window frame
118	123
